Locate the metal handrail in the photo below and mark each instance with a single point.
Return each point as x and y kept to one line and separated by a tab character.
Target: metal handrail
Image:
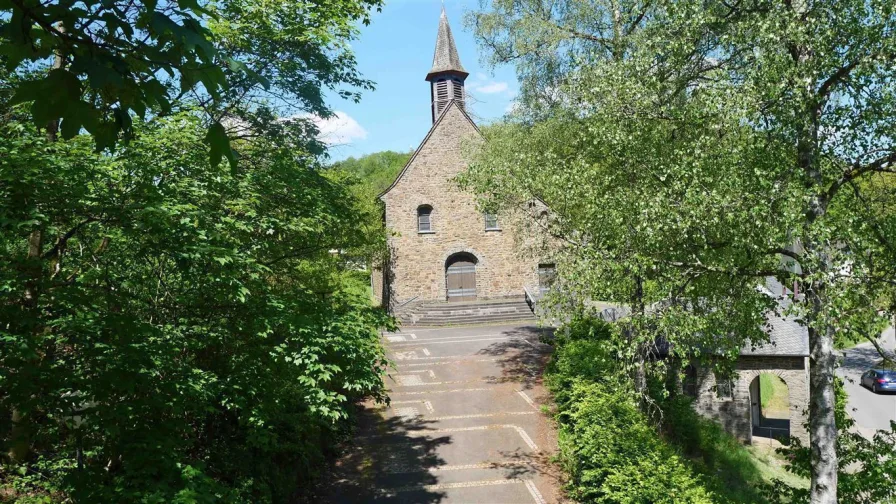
530	299
406	302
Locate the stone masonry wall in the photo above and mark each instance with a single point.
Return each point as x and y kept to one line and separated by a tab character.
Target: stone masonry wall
734	413
418	260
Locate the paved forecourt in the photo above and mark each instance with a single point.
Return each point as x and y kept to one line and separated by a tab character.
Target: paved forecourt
464	424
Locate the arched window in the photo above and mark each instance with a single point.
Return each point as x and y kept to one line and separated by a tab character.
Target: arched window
491	221
424	219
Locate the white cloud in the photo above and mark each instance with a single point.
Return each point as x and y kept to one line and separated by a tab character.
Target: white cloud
480	83
492	88
339	129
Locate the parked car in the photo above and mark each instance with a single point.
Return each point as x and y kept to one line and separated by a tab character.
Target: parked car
879	380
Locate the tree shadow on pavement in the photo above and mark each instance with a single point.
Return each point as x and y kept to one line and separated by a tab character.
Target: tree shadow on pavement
523	358
387	463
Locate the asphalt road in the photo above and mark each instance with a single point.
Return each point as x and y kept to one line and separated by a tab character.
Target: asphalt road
464	425
871	411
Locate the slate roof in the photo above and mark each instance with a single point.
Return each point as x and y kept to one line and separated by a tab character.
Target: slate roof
445	58
787	338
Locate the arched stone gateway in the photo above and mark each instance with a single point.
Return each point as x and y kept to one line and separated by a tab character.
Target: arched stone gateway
770	406
460	277
739	409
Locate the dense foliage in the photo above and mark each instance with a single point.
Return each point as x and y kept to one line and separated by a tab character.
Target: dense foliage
172	330
610	449
195	337
690	151
111	60
377	171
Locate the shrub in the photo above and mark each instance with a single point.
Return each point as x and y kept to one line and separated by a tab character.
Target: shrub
609	449
614	455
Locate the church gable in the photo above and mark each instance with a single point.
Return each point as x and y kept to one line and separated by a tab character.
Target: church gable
441	154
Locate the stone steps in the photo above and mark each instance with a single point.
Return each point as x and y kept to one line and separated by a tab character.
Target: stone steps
470	313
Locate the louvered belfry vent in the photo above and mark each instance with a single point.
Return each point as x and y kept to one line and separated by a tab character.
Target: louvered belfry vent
447	75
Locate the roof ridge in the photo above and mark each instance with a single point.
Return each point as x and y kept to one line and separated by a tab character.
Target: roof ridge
451	104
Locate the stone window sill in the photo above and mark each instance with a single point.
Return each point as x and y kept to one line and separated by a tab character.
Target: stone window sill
492	229
425	232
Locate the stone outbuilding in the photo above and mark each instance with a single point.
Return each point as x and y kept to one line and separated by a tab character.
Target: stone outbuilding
736	405
442	246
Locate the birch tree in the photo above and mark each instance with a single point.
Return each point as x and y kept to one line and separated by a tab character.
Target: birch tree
735	142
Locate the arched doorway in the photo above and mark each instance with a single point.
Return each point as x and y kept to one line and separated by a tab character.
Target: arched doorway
460	277
770	407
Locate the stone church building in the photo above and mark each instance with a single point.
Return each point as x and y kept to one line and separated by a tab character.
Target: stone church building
446	252
443	248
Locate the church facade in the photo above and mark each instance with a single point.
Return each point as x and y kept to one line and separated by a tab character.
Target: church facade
442	247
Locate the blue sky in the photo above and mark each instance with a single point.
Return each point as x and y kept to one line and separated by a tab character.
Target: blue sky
395	51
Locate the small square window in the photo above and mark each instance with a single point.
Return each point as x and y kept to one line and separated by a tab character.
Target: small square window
725	389
491	221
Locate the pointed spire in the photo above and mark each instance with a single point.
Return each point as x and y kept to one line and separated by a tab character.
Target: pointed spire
445	59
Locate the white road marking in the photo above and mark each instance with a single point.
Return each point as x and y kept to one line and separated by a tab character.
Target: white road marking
533	491
430	372
413	336
419	342
408	380
426	404
527	399
464	337
425	351
407	468
395	339
442	391
407	412
519	430
406	355
445	363
386	492
482	415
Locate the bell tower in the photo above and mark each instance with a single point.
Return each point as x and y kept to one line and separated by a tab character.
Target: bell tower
446	77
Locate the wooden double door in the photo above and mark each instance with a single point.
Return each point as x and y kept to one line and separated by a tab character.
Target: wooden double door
460	277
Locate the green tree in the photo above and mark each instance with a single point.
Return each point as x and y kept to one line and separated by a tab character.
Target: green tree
117	59
377	170
196	338
729	143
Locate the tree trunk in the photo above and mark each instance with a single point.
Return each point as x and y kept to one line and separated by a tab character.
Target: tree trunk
30	299
822	421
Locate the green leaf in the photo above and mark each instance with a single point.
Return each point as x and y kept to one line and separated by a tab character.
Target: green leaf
219	145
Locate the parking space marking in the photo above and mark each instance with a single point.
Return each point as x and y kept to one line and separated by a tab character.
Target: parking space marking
519	430
533	491
390	492
527	399
464	337
445	363
430	372
419	342
441	391
408	380
426	404
481	415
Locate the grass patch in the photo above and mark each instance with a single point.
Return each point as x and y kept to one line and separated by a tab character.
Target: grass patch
773	396
735	472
